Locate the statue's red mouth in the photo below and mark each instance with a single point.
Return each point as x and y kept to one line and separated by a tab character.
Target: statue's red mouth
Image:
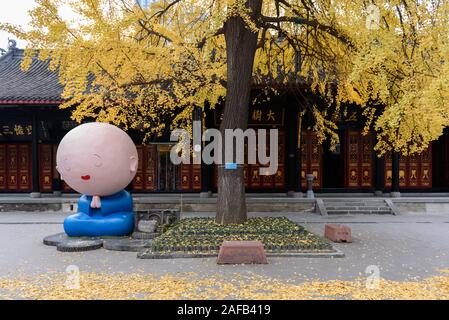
85	178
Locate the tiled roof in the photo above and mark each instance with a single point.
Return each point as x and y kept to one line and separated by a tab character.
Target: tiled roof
38	85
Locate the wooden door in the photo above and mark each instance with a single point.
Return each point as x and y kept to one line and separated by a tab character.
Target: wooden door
359	160
311	159
415	171
15	167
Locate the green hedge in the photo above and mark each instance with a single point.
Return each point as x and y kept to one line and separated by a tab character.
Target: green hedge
204	235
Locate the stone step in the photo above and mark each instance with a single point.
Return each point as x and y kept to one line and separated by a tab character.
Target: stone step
352	208
335	212
355	204
339	208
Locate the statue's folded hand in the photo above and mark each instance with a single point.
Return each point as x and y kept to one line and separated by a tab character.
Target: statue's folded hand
96	202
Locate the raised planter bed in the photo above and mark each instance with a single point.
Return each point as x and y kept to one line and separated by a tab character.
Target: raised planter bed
202	237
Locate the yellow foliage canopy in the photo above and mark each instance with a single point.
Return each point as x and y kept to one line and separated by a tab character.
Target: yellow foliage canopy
136	67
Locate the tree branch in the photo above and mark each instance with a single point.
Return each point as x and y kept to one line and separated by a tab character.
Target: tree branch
149	31
203	41
311	23
160	13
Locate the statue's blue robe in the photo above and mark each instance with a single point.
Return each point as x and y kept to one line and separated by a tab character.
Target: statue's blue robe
114	218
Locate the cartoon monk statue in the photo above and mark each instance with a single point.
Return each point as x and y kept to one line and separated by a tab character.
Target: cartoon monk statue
98	160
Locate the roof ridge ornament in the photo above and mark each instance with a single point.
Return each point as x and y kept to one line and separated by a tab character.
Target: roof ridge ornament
12	44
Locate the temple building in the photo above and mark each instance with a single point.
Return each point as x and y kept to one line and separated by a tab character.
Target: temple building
32	124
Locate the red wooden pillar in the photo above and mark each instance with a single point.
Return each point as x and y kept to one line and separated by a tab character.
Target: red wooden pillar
3	173
46	167
24	166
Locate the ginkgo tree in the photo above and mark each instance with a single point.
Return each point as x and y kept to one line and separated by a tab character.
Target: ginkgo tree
402	65
137	67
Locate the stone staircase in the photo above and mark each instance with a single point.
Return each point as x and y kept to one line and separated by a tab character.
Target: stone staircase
356	206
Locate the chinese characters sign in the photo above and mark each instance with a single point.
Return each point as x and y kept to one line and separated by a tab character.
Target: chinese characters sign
15	130
259	116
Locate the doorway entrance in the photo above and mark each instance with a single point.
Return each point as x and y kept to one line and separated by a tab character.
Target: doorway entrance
168	173
333	165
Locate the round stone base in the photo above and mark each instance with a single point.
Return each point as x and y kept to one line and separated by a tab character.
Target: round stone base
64	243
55	239
79	245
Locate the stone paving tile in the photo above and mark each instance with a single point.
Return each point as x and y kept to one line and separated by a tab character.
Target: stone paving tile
404	246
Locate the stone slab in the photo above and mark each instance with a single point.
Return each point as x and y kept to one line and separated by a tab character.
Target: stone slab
242	252
147	226
338	233
144	235
126	244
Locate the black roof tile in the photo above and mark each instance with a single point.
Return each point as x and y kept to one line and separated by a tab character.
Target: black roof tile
36	85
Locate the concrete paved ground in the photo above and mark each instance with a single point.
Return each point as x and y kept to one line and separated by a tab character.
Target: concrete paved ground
402	247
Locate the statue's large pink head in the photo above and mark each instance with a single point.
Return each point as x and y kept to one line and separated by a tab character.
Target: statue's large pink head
97	159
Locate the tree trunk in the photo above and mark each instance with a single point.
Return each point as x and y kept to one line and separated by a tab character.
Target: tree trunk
241	45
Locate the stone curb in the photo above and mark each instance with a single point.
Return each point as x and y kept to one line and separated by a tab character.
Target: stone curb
305	254
320	207
394	209
149	200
